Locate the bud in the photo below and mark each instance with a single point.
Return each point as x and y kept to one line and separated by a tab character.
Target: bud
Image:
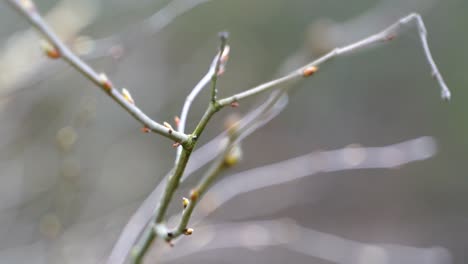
49	50
176	120
235	104
194	194
104	81
309	71
28	5
233	156
145	129
127	96
166	124
185	202
188	231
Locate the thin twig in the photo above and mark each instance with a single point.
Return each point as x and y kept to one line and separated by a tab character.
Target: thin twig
383	36
27	9
210	76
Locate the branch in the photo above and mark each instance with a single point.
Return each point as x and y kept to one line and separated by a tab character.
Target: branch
59	49
383	36
156	228
216	69
288	234
350	158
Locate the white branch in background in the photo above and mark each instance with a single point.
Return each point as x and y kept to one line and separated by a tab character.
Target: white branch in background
145	28
255	235
349	158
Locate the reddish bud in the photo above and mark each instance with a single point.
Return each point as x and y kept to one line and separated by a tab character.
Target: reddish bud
309	71
105	82
51	51
176	120
235	104
145	130
194	194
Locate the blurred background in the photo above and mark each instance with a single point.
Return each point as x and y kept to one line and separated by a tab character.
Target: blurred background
74	166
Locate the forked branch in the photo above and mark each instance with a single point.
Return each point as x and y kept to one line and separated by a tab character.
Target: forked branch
60	50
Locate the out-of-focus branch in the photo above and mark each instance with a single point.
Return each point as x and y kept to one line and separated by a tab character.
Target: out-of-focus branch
144	29
23	64
59	49
350	158
288	234
386	35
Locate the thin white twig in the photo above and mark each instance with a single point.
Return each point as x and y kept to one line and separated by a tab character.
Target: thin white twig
383	36
191	97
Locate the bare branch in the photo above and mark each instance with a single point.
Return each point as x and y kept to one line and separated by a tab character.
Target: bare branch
383	36
351	158
27	9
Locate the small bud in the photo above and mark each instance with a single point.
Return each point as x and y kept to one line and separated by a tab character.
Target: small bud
170	234
188	231
309	71
185	202
176	144
104	81
127	96
28	5
166	124
145	130
49	50
235	104
194	194
233	156
390	37
176	120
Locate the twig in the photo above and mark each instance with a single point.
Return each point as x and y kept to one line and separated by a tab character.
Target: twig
383	36
27	9
210	76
